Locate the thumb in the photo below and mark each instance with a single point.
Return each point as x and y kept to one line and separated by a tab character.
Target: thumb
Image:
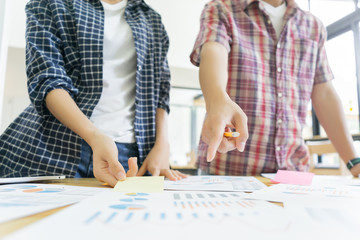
133	167
242	128
117	169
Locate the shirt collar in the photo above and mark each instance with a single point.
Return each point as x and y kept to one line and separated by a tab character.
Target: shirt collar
134	2
246	3
291	6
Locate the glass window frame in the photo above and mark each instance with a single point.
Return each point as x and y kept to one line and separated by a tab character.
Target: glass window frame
348	23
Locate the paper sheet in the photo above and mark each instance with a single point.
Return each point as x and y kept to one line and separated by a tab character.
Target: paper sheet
20	200
293	177
141	184
284	192
178	215
215	183
325	214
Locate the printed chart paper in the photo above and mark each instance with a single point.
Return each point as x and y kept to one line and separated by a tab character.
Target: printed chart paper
215	183
283	192
20	200
178	215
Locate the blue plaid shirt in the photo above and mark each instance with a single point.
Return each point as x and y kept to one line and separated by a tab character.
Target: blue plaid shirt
64	50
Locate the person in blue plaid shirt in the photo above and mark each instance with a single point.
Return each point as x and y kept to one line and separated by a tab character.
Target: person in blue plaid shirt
99	82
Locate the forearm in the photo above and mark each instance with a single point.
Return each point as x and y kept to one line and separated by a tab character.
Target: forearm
63	107
213	72
330	113
162	127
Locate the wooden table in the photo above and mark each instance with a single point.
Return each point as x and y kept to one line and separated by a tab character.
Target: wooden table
14	225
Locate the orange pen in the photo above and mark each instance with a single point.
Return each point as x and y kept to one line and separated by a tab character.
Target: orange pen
231	134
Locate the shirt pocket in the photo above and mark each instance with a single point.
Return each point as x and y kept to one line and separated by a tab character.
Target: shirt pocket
306	51
305	59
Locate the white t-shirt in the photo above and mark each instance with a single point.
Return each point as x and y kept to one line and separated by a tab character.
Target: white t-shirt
276	15
115	112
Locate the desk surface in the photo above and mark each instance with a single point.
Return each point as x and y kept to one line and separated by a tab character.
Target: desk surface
14	225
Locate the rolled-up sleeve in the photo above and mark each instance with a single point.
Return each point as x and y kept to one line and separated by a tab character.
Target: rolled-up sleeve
44	60
323	71
214	27
165	74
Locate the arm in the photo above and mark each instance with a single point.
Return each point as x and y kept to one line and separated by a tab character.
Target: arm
222	112
331	115
52	91
106	165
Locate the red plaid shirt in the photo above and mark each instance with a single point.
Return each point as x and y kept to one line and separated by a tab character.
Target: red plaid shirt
270	79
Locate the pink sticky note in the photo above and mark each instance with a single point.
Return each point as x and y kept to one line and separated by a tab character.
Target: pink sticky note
293	177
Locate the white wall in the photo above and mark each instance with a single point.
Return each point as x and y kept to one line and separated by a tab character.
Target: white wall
3	49
180	17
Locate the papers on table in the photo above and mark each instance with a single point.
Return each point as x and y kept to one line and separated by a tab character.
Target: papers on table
215	183
284	192
20	200
175	215
218	210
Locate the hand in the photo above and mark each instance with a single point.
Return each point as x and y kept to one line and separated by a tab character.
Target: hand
107	167
157	163
221	115
355	171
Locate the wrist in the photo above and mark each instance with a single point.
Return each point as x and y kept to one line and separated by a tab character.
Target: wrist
216	99
162	143
352	163
92	136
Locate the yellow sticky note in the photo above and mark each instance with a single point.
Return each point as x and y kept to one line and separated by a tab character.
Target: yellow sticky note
141	184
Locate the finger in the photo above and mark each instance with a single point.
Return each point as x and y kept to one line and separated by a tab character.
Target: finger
241	127
182	175
133	167
178	174
227	144
168	174
155	171
104	176
142	170
214	142
117	169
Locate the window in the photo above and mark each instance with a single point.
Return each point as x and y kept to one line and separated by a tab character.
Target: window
335	9
341	55
341	19
187	113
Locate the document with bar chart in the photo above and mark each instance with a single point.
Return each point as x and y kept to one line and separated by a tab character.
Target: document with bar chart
215	183
19	200
284	192
149	215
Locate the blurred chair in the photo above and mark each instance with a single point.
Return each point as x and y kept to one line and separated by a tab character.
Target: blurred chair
323	147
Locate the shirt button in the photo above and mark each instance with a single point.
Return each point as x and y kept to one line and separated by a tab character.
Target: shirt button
139	68
269	21
280	95
279	121
278	148
278	45
279	69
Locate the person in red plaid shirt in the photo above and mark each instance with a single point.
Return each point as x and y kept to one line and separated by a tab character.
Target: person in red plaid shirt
261	62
